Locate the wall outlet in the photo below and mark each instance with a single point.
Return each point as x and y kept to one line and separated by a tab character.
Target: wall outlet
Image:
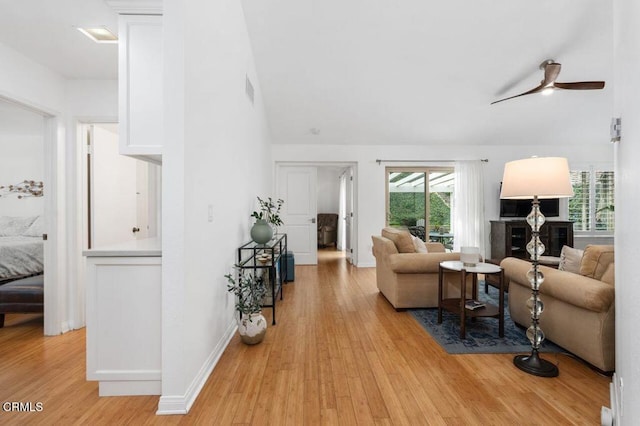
210	213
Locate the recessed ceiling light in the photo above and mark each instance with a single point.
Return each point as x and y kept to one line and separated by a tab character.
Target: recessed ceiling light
99	35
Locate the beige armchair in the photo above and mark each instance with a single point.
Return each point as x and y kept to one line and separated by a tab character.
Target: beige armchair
579	309
327	229
409	279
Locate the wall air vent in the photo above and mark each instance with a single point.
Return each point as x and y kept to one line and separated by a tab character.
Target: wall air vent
248	89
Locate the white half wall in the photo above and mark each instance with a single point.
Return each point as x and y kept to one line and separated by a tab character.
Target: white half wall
370	179
627	106
216	158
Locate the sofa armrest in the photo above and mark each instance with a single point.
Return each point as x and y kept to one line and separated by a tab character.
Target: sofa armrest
419	263
571	288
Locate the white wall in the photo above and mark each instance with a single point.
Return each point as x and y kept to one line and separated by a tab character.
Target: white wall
22	158
216	154
370	177
627	106
329	189
26	81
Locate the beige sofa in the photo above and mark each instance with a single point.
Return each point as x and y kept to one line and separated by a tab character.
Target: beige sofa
578	307
409	279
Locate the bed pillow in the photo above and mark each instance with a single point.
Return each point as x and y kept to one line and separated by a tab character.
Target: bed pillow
36	229
15	226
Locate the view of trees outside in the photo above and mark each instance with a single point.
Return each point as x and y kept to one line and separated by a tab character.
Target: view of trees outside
593	201
407	208
407	200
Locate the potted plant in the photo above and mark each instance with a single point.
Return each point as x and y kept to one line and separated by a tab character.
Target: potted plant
249	290
266	217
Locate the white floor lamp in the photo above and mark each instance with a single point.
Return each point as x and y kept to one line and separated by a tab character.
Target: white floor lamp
536	178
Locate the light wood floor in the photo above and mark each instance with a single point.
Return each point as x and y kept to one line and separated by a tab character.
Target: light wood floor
338	355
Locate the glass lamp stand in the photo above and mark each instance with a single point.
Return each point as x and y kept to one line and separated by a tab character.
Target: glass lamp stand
532	363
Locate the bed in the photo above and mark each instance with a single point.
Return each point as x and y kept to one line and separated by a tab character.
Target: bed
21	247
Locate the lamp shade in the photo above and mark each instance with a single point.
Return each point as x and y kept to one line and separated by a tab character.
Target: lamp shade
544	177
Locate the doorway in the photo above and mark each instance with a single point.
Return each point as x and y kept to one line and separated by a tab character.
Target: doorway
121	196
29	145
308	190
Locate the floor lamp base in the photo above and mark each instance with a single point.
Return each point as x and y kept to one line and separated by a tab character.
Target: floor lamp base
535	365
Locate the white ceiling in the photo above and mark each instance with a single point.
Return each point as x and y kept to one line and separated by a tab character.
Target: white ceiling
381	72
45	31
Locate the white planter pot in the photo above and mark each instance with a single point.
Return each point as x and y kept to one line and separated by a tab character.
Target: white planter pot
252	328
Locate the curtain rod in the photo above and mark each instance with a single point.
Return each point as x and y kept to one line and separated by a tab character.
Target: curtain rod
484	160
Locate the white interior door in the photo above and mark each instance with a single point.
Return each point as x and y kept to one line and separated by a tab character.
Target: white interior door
297	186
348	221
114	201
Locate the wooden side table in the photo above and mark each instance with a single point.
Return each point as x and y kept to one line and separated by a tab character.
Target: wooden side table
493	280
456	305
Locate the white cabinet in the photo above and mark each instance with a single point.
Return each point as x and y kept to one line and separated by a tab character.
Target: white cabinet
124	316
140	86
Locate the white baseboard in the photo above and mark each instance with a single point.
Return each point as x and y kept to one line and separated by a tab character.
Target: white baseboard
366	264
613	415
181	404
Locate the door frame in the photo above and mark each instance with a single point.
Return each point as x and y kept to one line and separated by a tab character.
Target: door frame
53	146
77	218
347	164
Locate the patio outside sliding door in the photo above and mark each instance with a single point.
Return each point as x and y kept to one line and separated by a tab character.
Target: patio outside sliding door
419	200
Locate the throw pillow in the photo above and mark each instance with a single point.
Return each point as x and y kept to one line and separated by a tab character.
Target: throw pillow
609	274
595	261
419	245
15	226
402	239
36	229
570	259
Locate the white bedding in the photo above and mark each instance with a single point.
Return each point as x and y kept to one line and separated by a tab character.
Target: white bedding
20	256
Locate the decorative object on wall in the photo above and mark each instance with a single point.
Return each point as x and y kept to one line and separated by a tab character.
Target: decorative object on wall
26	188
250	290
535	178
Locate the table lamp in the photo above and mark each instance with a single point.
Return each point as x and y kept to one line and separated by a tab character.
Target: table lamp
536	178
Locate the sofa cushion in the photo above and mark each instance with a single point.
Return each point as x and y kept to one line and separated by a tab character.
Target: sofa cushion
595	260
402	239
570	259
419	245
609	274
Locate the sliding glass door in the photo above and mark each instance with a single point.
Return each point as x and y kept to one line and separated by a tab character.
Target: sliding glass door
419	199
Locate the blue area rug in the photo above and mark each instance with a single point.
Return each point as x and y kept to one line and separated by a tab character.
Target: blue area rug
481	335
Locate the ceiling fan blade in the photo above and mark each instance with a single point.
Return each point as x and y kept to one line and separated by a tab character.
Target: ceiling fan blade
551	71
581	85
536	90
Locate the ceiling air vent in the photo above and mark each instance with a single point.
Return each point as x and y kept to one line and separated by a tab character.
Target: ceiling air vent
249	89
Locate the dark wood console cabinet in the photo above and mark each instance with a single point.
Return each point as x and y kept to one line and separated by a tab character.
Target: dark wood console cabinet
509	238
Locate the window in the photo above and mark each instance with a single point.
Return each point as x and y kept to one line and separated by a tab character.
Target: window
425	210
592	206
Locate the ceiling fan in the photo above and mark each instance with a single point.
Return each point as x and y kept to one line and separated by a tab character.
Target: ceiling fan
549	83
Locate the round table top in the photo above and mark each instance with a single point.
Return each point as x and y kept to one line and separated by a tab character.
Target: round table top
478	268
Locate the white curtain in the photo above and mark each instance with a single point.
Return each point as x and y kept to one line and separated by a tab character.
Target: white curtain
468	206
